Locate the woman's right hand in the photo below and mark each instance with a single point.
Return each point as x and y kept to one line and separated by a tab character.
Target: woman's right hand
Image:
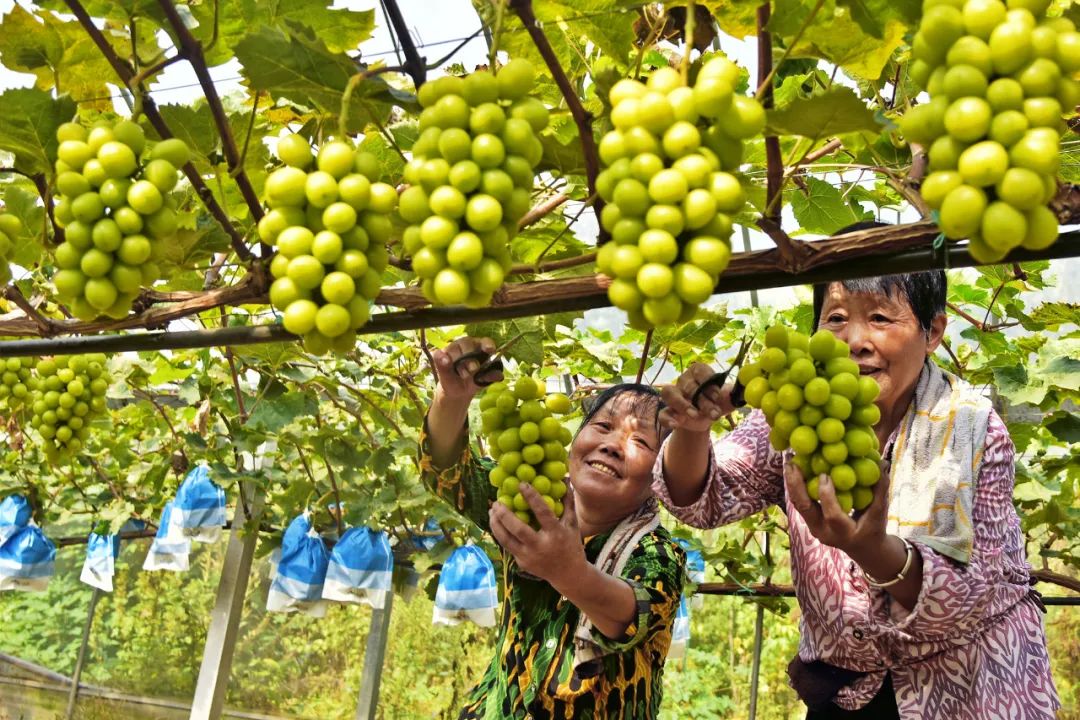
458	384
712	404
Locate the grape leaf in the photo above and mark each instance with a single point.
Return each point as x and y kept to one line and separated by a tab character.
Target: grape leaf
58	53
341	29
1065	426
822	208
570	26
1056	313
390	162
835	36
297	65
527	349
872	15
28	126
836	111
737	18
194	124
23	204
274	413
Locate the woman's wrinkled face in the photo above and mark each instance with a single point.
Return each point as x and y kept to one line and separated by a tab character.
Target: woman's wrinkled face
611	459
885	337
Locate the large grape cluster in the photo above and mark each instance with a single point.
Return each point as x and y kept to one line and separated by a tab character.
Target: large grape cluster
17	384
528	442
10	230
329	225
817	404
68	394
670	189
470	179
116	213
999	76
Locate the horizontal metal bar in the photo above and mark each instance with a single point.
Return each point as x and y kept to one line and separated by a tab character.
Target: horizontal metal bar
922	258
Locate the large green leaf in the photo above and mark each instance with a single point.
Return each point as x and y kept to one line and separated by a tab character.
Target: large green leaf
28	122
274	413
528	346
296	65
341	29
194	124
833	112
823	209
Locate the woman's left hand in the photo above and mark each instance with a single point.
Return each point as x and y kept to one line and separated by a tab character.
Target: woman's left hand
828	522
555	551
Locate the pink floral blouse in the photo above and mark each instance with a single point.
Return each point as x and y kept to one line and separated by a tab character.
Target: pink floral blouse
973	648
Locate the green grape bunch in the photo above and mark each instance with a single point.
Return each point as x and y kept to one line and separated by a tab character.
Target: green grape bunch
1000	76
68	395
17	383
329	223
671	189
528	442
470	180
11	228
117	214
820	407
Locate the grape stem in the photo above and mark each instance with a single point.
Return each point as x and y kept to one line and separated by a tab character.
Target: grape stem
688	38
789	254
192	50
765	84
45	325
149	107
644	357
582	118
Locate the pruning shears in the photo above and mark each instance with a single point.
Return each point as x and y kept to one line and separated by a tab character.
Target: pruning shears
491	364
718	379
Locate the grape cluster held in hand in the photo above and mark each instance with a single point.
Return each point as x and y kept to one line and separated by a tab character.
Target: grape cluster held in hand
819	406
527	441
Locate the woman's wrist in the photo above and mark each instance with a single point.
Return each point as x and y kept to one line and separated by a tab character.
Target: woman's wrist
881	560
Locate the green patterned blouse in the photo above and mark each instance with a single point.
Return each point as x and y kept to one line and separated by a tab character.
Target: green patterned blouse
531	675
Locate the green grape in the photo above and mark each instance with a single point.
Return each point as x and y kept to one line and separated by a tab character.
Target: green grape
472	170
828	420
68	394
528	441
999	78
662	171
104	230
328	225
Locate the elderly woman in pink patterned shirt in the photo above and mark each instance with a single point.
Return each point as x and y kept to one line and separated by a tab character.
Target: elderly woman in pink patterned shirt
919	620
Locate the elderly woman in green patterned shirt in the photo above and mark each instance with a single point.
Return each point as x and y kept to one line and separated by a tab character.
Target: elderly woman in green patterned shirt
589	600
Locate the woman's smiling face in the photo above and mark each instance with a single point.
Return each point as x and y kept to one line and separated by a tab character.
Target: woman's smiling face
886	340
612	457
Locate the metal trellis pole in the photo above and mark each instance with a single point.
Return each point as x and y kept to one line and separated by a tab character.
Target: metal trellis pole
77	675
209	700
374	655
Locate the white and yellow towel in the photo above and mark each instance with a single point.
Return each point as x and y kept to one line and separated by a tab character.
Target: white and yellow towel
935	462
